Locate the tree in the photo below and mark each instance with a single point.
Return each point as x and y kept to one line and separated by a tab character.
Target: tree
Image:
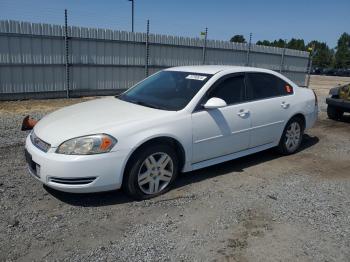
322	54
275	43
294	43
264	42
238	39
342	55
297	44
279	43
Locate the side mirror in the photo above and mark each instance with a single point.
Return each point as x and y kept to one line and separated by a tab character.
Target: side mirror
214	102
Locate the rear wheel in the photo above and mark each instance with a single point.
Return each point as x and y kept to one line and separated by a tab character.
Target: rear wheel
334	113
151	172
292	136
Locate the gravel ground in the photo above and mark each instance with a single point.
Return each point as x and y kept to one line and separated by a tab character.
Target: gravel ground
262	207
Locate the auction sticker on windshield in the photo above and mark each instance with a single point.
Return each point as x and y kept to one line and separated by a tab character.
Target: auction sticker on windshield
196	77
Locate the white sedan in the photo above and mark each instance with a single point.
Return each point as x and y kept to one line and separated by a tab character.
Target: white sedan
179	119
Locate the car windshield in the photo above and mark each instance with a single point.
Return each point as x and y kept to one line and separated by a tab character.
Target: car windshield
167	90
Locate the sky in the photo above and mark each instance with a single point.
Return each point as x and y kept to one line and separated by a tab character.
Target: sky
322	20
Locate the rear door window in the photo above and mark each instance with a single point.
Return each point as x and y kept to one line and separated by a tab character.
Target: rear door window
262	86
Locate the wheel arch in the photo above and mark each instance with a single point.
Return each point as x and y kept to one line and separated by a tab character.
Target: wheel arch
301	116
163	139
296	115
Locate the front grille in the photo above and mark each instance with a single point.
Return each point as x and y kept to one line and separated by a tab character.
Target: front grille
38	143
72	181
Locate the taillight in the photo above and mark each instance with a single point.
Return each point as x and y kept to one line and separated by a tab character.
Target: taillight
288	89
316	101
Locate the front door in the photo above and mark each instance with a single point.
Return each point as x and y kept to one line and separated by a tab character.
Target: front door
222	131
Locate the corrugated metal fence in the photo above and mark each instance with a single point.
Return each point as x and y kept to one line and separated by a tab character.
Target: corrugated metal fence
100	61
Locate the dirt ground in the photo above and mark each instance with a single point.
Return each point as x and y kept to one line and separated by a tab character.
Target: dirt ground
263	207
323	83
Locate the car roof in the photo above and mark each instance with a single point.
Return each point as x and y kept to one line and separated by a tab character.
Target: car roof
213	69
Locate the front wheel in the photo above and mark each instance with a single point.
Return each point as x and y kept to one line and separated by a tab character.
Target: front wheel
151	172
292	136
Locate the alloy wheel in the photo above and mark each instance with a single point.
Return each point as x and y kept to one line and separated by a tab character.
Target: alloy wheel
293	136
155	173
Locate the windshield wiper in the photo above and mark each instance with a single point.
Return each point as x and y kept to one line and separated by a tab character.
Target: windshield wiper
142	103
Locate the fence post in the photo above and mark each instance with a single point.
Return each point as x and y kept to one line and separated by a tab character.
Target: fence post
147	50
66	51
309	70
205	46
248	51
282	58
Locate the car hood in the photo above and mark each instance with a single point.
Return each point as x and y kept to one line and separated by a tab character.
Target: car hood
95	116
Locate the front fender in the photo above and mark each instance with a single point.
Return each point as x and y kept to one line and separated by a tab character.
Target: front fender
179	130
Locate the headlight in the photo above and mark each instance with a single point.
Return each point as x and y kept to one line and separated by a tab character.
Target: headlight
87	145
36	141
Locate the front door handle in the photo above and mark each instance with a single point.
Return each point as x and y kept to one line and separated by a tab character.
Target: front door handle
285	105
243	113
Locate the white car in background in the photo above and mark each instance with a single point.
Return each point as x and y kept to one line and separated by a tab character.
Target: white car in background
179	119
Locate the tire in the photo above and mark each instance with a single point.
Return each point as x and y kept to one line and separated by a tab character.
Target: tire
334	113
147	176
293	131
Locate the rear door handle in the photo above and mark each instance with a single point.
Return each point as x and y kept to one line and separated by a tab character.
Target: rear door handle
284	105
243	113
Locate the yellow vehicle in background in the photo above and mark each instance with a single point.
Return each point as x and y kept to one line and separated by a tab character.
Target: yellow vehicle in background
338	102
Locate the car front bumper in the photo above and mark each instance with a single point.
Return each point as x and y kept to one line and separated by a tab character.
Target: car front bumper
341	104
76	173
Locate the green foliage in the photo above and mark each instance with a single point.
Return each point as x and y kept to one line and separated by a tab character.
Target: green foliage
238	39
297	44
264	42
277	43
342	55
323	56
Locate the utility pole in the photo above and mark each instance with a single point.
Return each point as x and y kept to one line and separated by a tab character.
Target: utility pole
147	50
132	15
205	45
283	54
311	56
66	51
248	51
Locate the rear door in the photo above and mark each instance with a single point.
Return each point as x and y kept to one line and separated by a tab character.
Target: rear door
222	131
270	107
